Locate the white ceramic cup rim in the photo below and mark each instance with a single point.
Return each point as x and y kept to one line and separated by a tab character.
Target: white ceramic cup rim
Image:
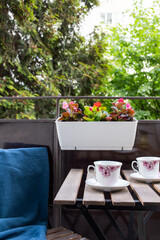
148	158
107	163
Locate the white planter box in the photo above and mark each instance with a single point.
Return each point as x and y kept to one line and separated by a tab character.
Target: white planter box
96	135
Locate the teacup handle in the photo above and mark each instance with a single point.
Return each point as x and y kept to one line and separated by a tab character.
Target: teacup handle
91	166
132	165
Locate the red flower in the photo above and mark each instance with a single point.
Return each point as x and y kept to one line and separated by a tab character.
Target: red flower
97	104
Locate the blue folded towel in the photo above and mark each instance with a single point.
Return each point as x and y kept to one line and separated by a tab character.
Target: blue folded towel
24	187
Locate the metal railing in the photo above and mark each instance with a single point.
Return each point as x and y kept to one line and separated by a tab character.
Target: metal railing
58	98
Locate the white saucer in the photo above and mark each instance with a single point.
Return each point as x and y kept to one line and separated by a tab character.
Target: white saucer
117	186
139	177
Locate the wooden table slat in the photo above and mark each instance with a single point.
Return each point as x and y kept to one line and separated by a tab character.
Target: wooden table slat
122	198
157	186
92	197
70	187
143	191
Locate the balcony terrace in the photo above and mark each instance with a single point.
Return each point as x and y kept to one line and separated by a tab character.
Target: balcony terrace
42	132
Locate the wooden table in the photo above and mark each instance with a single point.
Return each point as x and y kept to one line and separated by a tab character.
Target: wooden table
136	198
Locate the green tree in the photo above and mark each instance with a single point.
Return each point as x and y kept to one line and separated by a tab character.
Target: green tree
25	61
43	54
134	54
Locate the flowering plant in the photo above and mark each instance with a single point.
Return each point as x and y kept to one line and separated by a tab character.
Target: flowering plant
95	113
72	112
121	111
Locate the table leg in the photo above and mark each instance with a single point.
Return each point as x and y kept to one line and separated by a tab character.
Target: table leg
141	225
130	235
92	222
115	224
146	219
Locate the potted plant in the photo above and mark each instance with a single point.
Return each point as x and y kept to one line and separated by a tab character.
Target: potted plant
95	128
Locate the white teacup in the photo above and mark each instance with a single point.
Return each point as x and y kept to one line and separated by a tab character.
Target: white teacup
148	167
107	172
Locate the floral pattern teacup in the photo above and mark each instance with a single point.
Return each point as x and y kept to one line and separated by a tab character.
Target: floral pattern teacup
147	167
106	172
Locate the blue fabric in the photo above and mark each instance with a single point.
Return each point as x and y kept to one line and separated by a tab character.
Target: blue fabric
24	187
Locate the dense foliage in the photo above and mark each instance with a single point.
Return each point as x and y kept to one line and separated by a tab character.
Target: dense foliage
43	54
134	54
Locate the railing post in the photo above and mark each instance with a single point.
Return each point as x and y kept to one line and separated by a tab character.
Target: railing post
57	171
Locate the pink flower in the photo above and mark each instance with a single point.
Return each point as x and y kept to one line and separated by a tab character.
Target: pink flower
128	106
75	108
90	109
131	112
121	100
71	102
119	103
65	105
